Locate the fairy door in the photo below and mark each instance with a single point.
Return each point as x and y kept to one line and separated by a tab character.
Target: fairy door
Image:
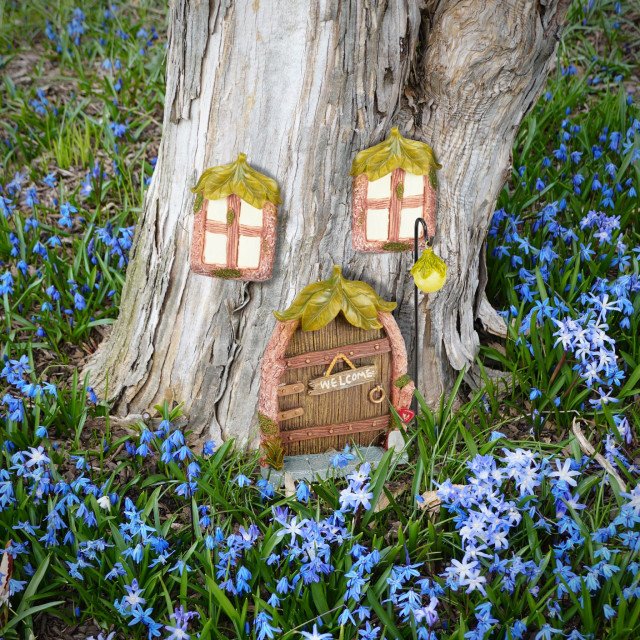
335	388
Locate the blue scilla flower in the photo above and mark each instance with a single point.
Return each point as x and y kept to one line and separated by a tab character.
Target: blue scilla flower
40	250
186	489
76	26
6	283
41	432
6	207
614	140
15	408
22	267
302	492
66	214
50	180
31	197
118	129
342	459
266	489
242	481
193	470
78	301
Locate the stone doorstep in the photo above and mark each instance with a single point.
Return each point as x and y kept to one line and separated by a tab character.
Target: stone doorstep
312	466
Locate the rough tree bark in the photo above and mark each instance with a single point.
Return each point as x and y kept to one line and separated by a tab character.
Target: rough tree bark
300	87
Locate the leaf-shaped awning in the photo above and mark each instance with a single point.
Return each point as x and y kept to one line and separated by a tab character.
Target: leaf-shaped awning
396	152
319	303
240	179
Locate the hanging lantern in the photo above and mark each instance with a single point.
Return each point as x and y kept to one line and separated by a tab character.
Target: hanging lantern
429	272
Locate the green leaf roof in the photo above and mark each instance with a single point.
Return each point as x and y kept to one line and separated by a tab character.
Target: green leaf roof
396	152
240	179
319	303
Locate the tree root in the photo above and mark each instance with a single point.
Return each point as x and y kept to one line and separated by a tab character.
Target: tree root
492	322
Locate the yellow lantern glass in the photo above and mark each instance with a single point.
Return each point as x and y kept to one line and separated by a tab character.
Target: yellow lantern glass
429	272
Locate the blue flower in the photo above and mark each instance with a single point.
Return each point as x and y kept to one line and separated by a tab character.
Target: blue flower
302	492
342	459
66	214
241	480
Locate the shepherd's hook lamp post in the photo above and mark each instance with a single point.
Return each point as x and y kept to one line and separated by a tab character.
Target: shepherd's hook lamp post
416	359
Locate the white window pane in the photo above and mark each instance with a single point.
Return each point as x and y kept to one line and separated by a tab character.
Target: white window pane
217	210
249	252
378	224
249	215
407	220
215	248
413	185
380	188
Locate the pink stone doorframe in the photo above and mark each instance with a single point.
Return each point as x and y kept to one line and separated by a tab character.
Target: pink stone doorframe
274	366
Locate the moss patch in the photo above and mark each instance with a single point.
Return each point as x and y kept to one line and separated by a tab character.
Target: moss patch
227	274
197	203
396	246
271	443
268	427
402	381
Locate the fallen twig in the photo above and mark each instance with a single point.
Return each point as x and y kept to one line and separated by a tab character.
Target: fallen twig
587	447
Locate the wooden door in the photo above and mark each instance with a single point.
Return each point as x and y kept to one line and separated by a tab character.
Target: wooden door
333	419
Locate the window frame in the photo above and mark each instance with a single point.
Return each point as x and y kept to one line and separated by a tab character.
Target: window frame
394	204
233	232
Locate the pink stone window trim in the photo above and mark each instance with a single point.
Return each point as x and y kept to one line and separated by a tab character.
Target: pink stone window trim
267	233
359	214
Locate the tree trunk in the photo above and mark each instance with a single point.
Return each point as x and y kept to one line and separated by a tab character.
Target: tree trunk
300	87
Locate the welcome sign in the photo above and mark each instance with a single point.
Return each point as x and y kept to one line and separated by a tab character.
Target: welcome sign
343	380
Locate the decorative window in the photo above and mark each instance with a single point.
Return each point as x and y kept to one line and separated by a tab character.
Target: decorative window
394	183
235	226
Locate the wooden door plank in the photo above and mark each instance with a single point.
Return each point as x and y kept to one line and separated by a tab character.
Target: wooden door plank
290	389
290	413
333	430
358	350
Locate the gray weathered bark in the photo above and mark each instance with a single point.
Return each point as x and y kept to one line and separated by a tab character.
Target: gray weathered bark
301	87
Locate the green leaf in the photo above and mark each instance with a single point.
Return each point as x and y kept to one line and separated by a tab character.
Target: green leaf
319	303
295	311
358	308
386	619
34	583
222	600
319	596
396	152
29	612
632	380
240	179
322	308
